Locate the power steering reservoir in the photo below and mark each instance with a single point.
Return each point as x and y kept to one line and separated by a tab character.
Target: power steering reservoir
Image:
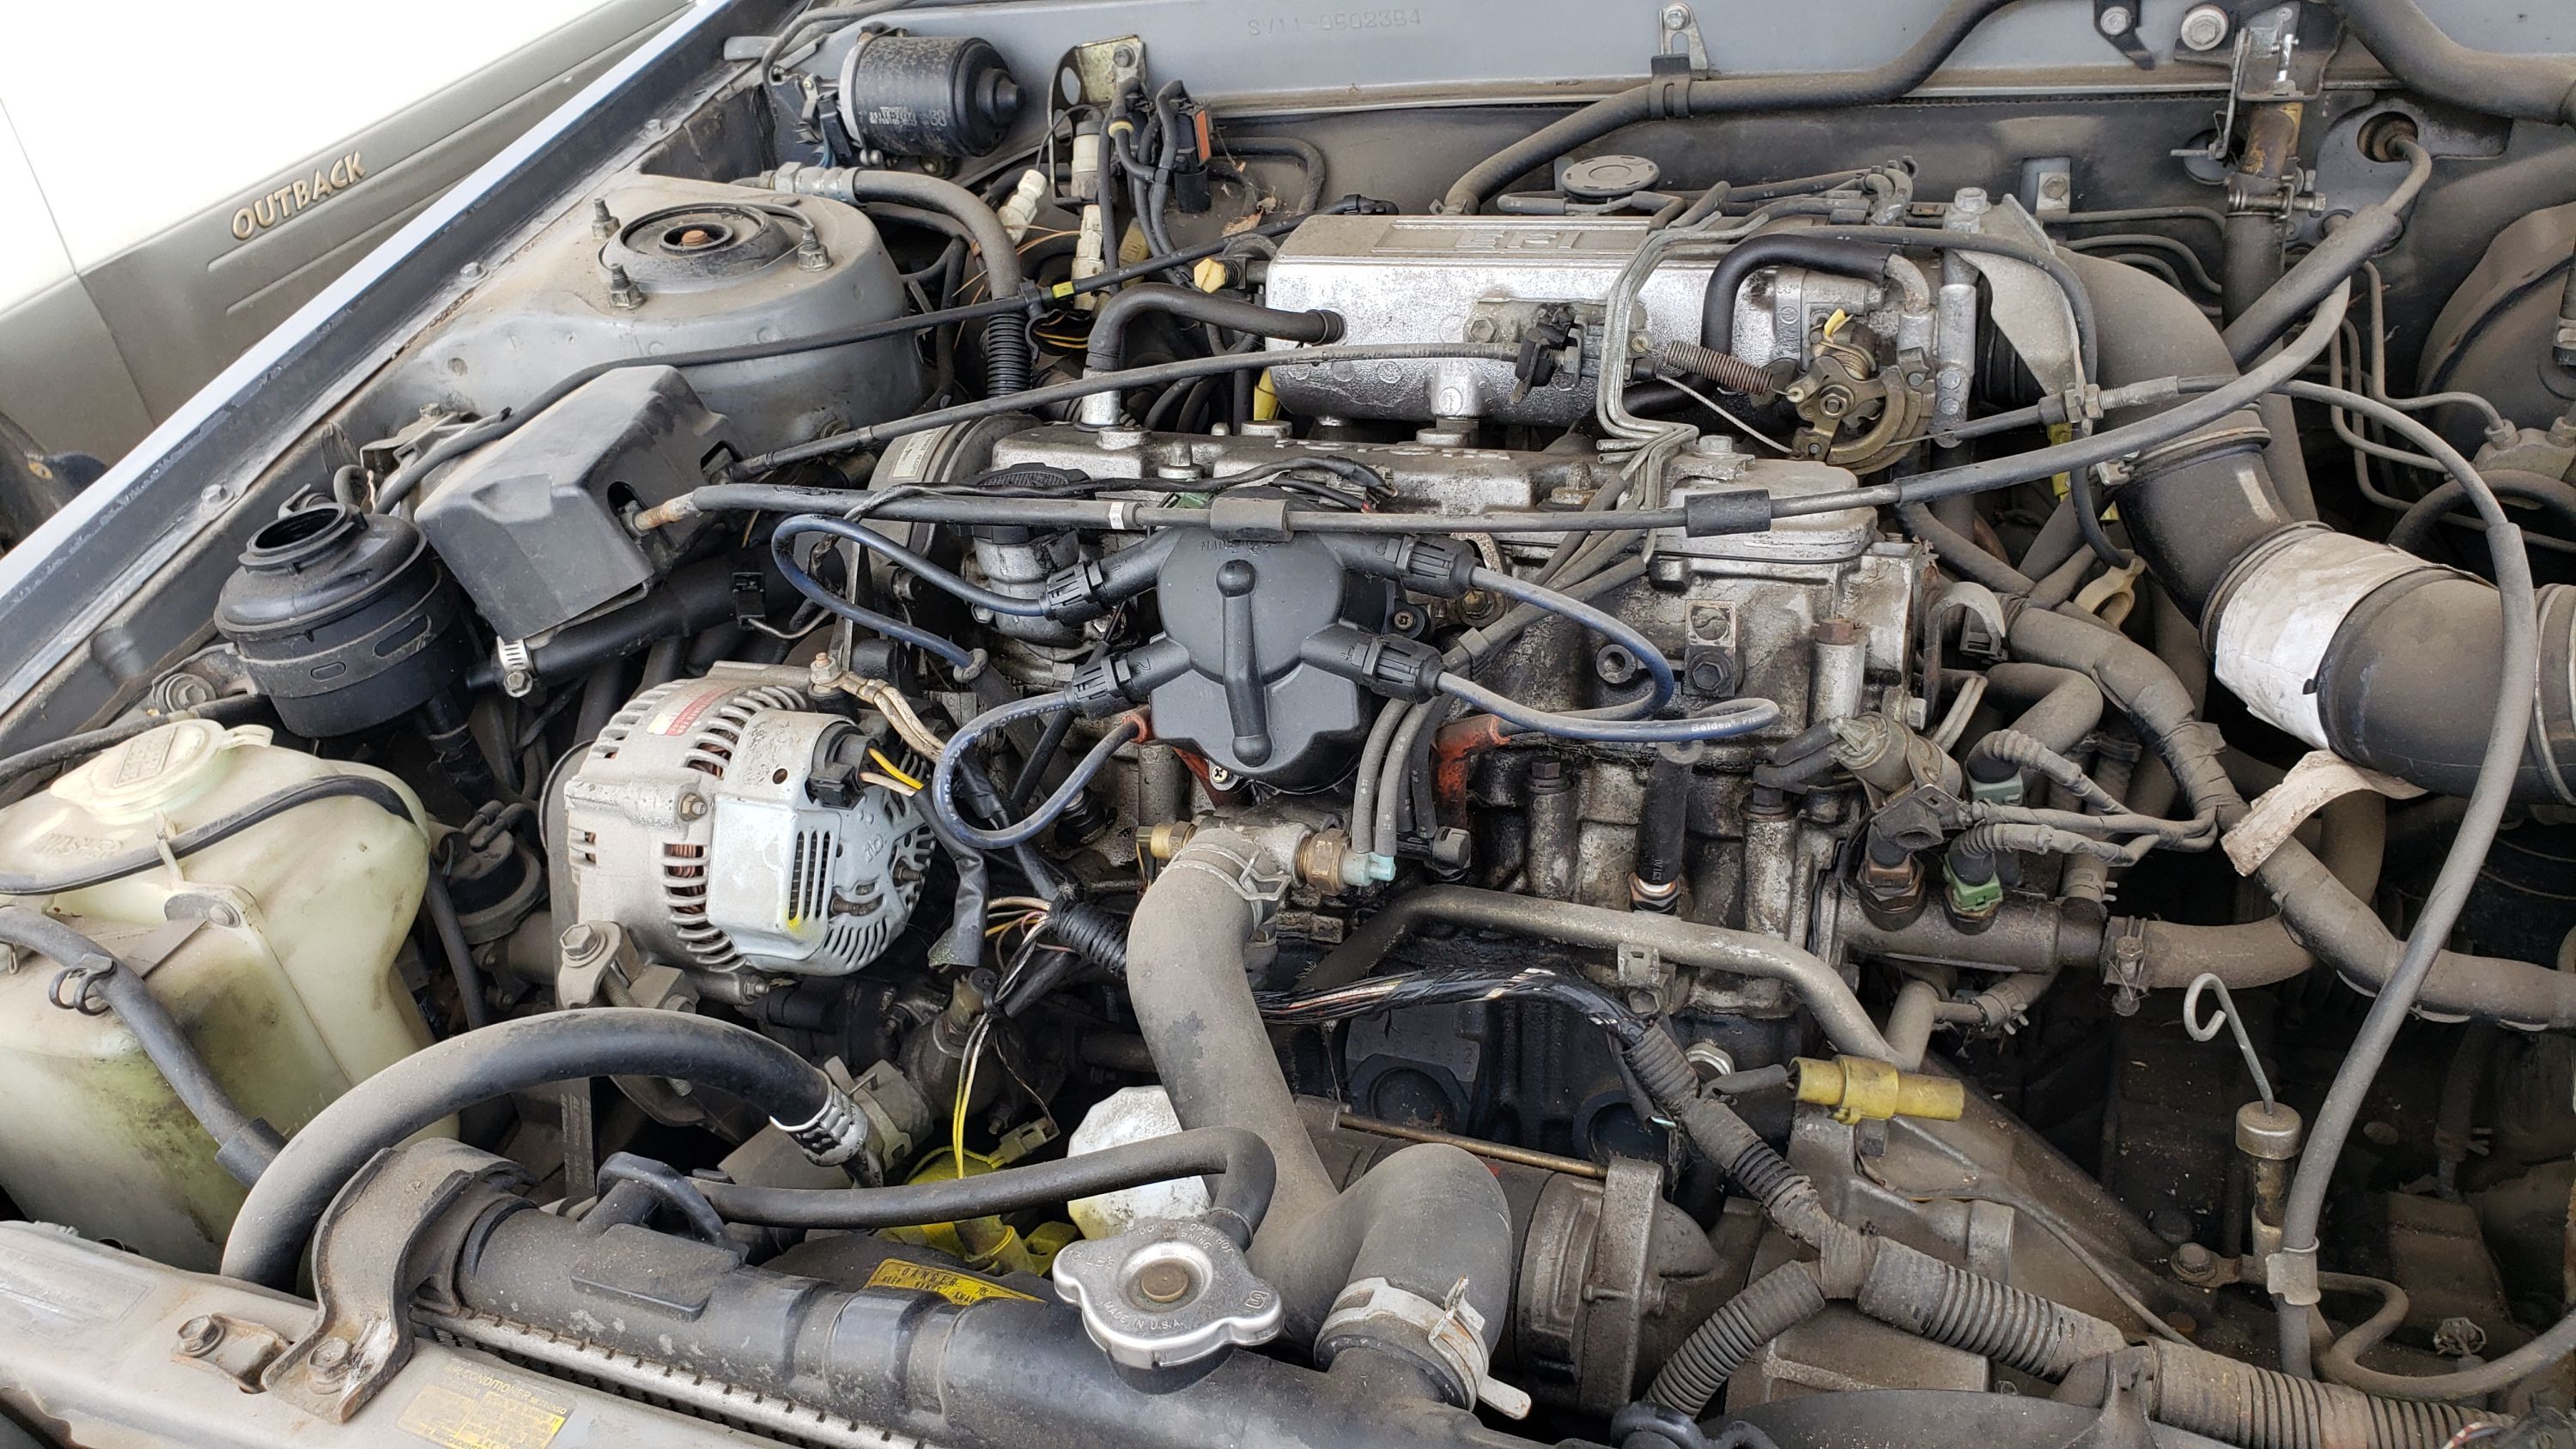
273	948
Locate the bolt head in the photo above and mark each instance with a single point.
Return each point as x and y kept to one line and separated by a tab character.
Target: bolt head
2114	20
2203	27
579	939
199	1336
2193	1258
1676	16
329	1356
471	271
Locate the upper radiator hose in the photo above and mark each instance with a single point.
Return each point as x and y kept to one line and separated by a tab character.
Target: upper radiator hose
1422	1222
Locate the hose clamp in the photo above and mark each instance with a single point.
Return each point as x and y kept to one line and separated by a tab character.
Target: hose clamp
1246	868
833	1135
1451	1329
518	667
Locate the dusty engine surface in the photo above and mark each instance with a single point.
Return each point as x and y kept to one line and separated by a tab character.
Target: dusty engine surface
991	752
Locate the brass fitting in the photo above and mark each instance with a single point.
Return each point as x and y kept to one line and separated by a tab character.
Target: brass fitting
1164	841
1859	1089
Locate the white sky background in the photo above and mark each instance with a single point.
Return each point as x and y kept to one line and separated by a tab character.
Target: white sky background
135	114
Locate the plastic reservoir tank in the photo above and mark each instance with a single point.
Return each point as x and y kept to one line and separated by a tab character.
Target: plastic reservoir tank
275	950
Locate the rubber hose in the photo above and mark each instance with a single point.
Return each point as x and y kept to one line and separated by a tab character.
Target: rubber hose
269	1234
1006	355
1837	1010
440	907
244	1144
2328	265
1961	554
1108	347
1911	1290
1722	95
1793	248
2065	706
1239	1162
2316	908
2555	496
1663	822
2526	88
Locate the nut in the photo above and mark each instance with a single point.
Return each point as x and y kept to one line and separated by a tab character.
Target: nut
1709	1059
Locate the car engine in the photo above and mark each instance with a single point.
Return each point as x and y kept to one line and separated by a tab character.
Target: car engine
1029	732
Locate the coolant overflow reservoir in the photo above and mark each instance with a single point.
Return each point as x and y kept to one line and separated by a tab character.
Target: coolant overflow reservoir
275	950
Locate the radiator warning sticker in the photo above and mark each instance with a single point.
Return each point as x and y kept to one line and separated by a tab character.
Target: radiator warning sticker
958	1288
465	1408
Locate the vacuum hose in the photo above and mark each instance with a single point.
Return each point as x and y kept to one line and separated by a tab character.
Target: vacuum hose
269	1235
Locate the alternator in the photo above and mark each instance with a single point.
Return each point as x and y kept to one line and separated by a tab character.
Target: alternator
728	828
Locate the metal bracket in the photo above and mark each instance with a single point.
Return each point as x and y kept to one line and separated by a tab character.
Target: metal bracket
234	1347
1641	967
1676	25
2048	186
364	1273
2291	1276
1105	67
2117	22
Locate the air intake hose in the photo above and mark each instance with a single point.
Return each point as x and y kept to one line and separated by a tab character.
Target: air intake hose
2350	645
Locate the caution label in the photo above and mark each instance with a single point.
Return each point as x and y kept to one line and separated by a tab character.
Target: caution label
958	1288
465	1408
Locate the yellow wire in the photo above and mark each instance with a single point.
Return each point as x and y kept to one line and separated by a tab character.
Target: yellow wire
891	768
1014	924
957	1118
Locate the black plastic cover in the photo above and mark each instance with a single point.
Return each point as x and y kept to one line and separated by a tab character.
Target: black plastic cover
535	524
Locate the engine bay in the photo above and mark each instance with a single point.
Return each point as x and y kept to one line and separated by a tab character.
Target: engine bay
989	750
